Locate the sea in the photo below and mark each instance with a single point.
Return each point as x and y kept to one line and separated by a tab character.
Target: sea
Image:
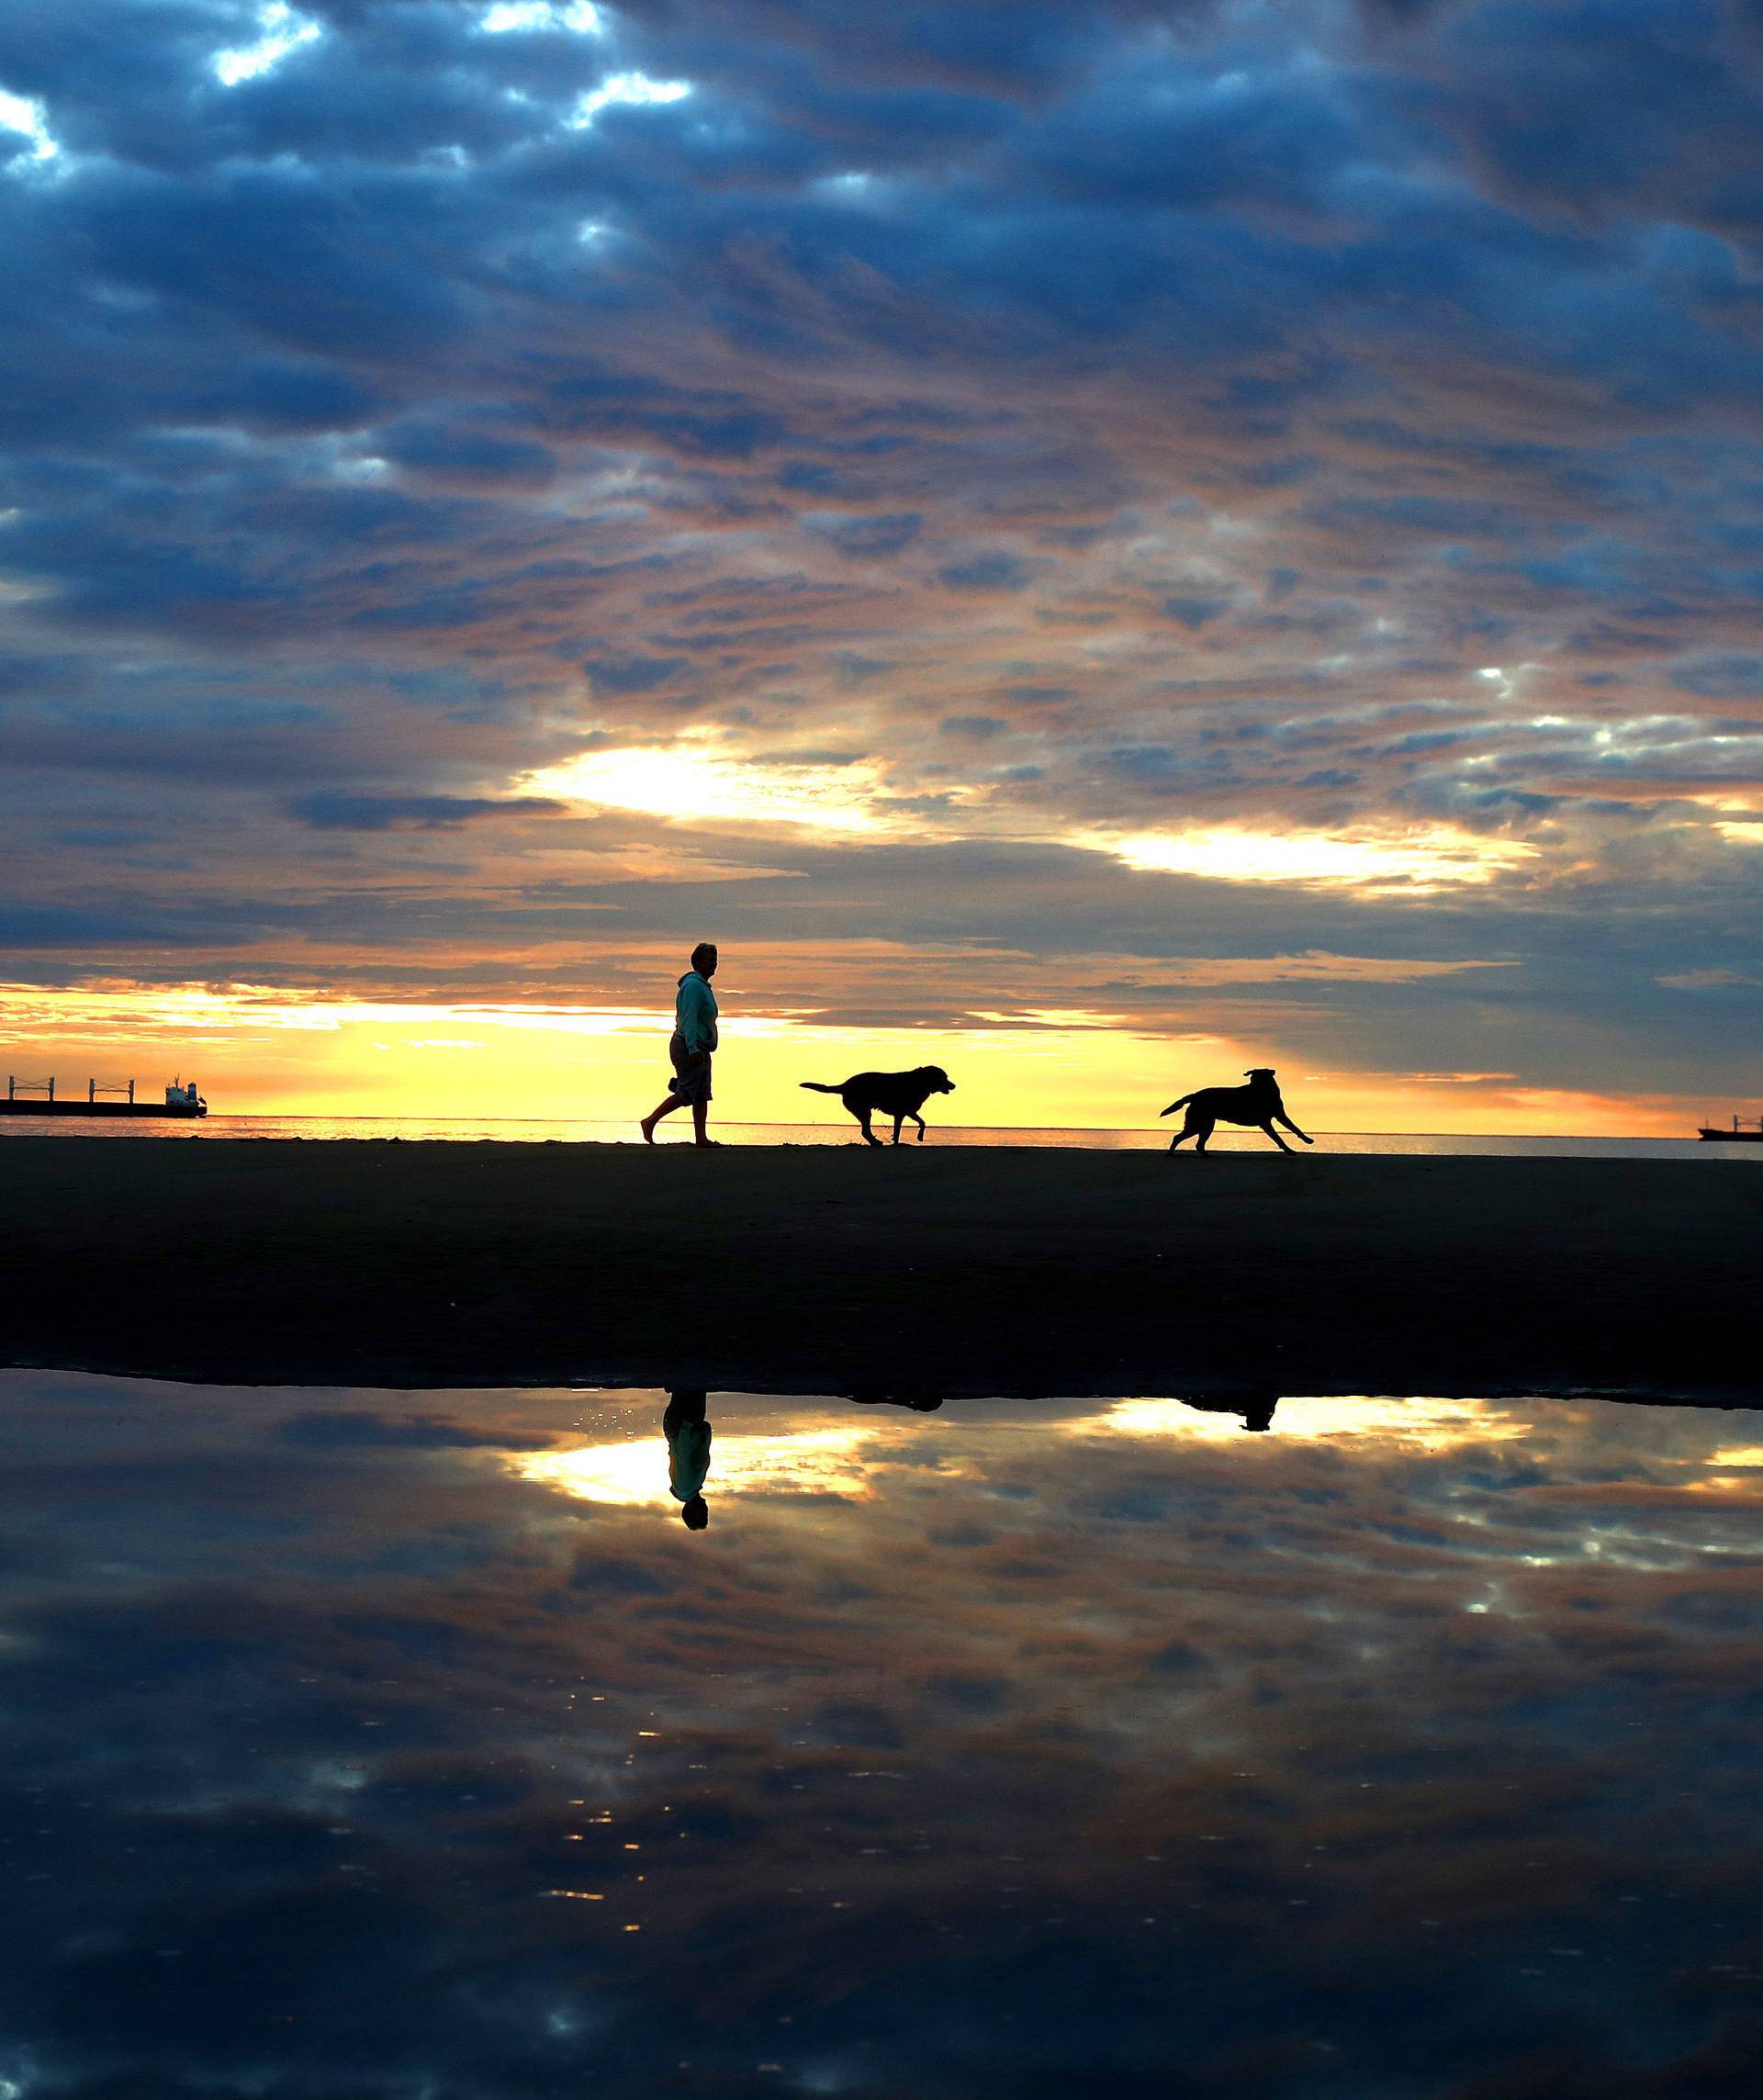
475	1130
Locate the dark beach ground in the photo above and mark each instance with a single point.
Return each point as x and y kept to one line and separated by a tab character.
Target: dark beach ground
926	1270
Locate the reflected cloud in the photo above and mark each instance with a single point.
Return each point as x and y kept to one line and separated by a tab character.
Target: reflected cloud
1414	1422
825	1461
283	31
415	1751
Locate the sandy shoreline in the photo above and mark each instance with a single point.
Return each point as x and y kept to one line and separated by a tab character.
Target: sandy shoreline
927	1270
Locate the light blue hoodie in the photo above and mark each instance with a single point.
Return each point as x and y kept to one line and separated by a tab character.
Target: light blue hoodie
695	1012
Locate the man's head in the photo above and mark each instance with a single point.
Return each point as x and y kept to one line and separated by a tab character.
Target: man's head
695	1513
703	959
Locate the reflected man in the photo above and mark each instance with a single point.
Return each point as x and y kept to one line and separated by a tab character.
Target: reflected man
688	1434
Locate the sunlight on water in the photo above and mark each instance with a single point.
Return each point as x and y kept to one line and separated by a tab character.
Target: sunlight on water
800	1462
1427	1424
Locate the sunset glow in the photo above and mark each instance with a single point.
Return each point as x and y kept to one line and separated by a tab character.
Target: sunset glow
1418	862
697	782
306	1054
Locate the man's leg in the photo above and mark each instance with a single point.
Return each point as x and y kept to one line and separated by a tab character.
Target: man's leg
654	1114
700	1117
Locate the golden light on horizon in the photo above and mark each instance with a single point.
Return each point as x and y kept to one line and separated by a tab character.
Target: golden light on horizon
276	1050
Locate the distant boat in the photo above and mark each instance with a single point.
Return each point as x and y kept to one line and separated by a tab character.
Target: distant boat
1735	1136
37	1097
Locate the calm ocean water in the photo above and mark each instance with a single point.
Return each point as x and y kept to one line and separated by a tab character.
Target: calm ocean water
529	1130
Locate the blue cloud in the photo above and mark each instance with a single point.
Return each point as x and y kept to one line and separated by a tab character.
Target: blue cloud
859	538
330	810
994	571
619	676
1196	610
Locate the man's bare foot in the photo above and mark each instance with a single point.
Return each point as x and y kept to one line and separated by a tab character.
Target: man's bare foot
648	1130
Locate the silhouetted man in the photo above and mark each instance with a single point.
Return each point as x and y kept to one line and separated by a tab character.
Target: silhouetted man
694	1039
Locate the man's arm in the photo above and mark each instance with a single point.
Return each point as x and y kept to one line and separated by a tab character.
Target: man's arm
697	1028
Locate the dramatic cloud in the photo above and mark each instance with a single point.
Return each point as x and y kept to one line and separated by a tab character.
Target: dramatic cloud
1290	480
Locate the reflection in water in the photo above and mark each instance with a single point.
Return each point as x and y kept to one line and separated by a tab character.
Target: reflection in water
625	1469
1429	1424
1254	1407
360	1743
688	1434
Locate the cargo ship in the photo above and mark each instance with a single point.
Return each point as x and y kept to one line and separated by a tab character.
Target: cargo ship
37	1097
1739	1134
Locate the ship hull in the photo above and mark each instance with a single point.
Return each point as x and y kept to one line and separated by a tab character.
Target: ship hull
1731	1136
132	1109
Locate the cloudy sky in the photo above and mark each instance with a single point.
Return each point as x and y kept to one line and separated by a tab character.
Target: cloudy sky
1102	543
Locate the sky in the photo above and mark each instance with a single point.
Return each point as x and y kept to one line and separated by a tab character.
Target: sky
1096	544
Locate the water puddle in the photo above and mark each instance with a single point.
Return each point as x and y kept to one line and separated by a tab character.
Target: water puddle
412	1743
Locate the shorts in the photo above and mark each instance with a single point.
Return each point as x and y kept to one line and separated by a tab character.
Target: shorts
690	1083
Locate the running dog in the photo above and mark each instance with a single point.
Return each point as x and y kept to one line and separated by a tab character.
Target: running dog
896	1094
1257	1105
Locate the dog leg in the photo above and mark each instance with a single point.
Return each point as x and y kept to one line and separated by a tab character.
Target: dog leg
1202	1134
920	1121
869	1135
1276	1138
897	1121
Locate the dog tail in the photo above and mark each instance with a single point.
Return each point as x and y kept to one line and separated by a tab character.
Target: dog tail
815	1087
1175	1104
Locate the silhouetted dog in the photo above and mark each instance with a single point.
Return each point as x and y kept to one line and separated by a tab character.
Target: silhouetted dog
1258	1105
1256	1409
896	1094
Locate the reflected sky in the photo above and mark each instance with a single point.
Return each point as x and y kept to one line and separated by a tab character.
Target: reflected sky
407	1744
